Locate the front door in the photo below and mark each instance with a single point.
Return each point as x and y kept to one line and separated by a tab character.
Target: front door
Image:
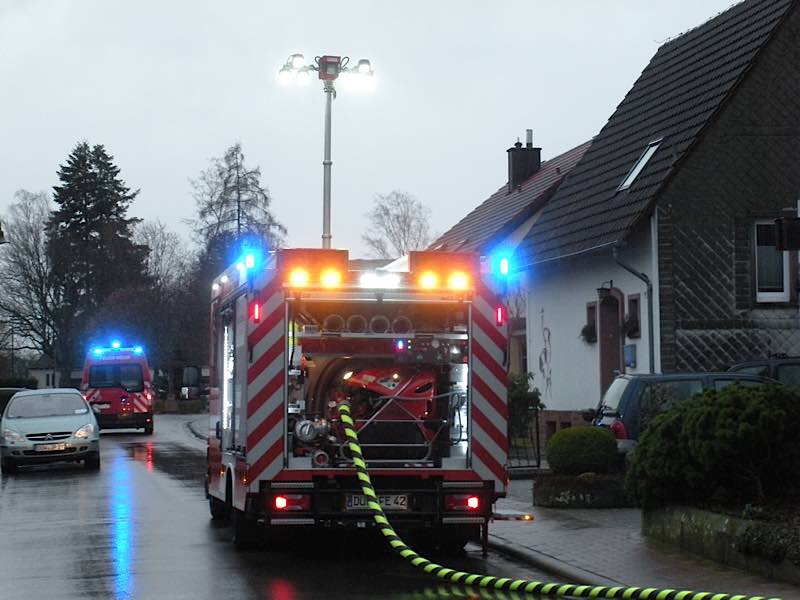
609	338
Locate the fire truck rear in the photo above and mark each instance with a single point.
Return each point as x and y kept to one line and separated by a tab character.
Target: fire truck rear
420	357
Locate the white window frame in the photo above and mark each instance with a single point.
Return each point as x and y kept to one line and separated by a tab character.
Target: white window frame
765	297
640	164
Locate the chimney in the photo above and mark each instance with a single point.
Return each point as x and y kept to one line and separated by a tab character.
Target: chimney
523	162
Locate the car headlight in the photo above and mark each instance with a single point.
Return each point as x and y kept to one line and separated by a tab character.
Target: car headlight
12	436
85	431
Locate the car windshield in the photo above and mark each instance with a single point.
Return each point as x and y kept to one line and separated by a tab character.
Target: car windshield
125	376
46	405
613	394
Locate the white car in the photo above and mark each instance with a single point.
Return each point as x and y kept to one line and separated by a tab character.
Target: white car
44	426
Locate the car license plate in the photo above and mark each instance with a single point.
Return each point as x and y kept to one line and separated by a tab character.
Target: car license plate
99	407
387	502
51	447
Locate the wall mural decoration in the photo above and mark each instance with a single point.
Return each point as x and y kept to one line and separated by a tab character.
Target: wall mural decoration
545	369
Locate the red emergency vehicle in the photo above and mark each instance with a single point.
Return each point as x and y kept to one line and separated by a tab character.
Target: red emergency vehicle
420	355
117	383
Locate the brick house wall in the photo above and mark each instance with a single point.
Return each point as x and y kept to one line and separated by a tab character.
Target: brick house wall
746	166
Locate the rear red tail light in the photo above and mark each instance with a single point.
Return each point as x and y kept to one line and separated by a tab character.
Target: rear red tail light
500	315
462	502
291	502
618	429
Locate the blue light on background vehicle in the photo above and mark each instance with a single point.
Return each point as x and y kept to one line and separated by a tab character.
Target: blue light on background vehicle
250	260
116	347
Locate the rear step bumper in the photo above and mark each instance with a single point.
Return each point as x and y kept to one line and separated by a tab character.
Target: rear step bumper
135	421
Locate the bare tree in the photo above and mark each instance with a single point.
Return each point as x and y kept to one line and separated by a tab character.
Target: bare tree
169	260
398	222
231	200
27	294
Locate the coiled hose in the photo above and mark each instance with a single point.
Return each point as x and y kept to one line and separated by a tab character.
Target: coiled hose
501	583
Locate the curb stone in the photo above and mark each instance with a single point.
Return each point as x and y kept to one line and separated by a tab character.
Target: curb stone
190	425
549	564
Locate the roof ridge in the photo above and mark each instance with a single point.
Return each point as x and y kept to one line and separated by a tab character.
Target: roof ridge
680	92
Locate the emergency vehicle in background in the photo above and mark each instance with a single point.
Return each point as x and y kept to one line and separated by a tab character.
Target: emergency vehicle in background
420	355
117	383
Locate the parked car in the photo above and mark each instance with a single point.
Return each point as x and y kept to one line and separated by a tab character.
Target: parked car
785	369
631	401
44	426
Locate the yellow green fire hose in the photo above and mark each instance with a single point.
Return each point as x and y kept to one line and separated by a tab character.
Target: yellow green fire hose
501	583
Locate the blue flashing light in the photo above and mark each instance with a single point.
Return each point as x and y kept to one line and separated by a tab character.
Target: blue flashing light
504	266
115	344
97	351
250	260
400	345
138	350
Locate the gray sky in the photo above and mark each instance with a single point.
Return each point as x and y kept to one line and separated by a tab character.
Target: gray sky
168	85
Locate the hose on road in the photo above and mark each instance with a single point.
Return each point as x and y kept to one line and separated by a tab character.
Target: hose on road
500	583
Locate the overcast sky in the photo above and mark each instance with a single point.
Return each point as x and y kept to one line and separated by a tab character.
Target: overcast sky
165	86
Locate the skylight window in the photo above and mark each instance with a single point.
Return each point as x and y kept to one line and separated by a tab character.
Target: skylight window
640	165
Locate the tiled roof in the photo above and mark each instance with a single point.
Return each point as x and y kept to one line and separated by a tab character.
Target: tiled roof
675	97
503	210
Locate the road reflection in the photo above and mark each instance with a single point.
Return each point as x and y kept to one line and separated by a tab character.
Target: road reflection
122	528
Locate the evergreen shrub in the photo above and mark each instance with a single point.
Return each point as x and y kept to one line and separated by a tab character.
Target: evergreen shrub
579	450
732	447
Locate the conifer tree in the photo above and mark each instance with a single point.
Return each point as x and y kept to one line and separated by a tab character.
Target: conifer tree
90	243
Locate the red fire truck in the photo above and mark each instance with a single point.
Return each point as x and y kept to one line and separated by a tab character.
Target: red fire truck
118	385
420	355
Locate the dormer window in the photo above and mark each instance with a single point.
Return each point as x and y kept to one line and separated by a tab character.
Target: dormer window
640	164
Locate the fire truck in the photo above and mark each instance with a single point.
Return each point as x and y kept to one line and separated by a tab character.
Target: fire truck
419	353
117	383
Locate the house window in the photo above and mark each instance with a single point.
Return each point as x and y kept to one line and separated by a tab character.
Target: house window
640	165
633	319
47	379
772	265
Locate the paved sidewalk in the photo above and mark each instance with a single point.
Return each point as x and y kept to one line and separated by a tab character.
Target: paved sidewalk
605	545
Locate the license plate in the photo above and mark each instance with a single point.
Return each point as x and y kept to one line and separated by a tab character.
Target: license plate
51	447
98	407
387	502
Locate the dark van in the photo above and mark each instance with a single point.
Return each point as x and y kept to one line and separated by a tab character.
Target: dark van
785	369
631	401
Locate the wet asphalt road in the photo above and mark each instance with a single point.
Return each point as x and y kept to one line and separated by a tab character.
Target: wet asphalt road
140	528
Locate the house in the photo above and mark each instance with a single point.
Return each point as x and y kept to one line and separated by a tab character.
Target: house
501	222
44	371
670	213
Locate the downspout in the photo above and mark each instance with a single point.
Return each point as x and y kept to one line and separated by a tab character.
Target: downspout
648	283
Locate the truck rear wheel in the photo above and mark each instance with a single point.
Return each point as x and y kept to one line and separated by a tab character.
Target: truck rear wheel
245	530
451	540
219	510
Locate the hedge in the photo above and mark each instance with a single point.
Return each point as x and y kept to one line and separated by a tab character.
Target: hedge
733	447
